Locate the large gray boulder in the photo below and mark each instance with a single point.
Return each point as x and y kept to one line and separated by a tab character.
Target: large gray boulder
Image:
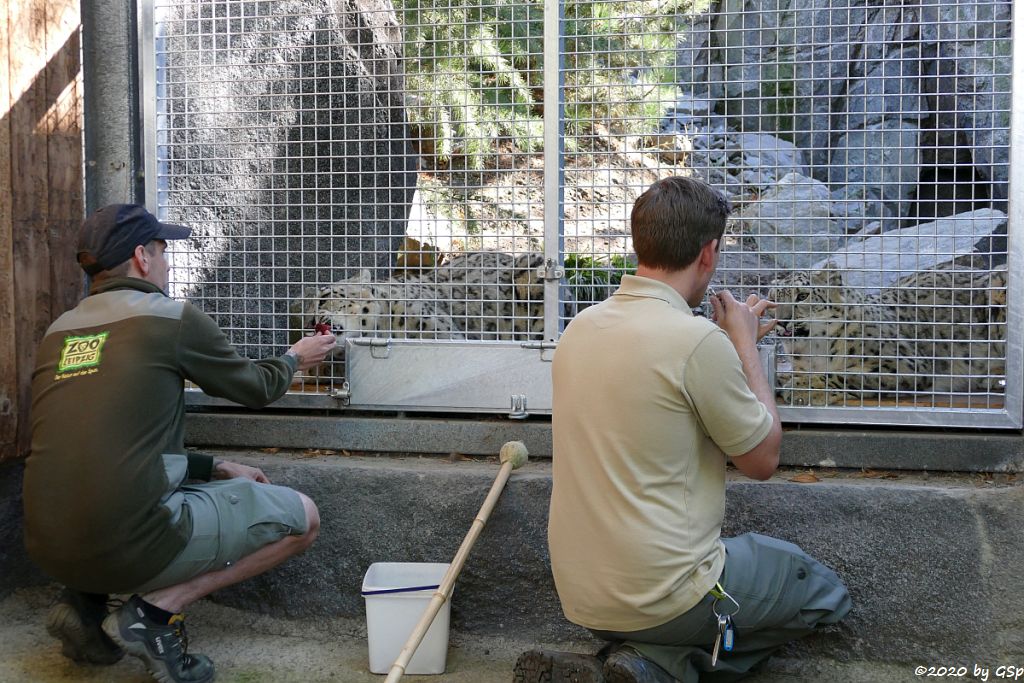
970	41
889	88
818	72
792	222
884	158
285	148
875	262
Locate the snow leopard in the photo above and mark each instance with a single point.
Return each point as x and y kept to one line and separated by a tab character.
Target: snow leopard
937	331
487	295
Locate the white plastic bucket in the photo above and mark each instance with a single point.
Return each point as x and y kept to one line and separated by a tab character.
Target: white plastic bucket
397	594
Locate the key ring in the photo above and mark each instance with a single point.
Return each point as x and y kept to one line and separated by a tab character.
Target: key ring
719	594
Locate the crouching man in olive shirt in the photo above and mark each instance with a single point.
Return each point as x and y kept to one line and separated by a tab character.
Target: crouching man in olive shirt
107	506
650	402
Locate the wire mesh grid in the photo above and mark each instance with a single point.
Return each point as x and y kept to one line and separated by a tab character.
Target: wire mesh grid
864	147
381	168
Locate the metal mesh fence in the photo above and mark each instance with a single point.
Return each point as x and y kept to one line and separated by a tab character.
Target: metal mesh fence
381	168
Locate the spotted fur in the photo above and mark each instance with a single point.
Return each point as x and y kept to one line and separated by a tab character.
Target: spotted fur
933	332
480	295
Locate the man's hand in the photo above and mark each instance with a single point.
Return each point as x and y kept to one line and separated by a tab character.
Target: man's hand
313	350
223	469
742	321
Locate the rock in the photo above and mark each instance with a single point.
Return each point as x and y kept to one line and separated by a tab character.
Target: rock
743	272
693	62
971	44
693	106
884	158
876	262
889	89
316	184
856	206
791	223
809	70
773	152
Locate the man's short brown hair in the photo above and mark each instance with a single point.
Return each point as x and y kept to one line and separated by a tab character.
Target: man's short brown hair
674	219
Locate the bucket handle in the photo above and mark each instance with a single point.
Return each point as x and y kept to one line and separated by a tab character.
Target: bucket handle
410	589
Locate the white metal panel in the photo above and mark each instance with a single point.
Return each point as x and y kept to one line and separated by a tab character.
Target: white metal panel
460	377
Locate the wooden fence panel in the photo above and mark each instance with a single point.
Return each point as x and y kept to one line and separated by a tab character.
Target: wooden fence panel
8	359
40	192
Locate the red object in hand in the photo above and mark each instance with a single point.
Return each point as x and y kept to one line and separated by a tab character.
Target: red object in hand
321	328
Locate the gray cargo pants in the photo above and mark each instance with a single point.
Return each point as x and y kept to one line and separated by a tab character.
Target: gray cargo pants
783	594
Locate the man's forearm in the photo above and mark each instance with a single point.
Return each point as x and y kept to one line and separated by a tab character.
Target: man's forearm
757	380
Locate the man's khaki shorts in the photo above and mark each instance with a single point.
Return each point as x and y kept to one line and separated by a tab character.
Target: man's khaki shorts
230	519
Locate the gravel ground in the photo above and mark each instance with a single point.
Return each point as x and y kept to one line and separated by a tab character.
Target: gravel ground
252	648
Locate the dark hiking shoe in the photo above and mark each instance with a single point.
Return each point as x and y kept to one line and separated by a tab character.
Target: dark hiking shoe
163	648
547	666
75	621
626	665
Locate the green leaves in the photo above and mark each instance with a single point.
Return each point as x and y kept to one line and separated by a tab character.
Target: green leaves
474	71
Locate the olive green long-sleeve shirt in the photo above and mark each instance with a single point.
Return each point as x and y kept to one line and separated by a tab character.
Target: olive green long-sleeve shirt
102	510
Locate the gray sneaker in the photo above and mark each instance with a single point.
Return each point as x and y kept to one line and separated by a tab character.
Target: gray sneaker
163	648
75	621
548	666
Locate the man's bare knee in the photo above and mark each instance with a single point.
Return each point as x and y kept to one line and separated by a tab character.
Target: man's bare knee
312	521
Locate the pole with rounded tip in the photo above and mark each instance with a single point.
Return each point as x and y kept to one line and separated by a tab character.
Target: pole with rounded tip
513	455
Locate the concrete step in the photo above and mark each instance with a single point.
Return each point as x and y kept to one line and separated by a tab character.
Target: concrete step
932	562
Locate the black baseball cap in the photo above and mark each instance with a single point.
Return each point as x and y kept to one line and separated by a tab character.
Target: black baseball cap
110	235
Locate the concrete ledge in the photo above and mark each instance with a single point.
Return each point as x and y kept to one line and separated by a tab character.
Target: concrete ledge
805	447
934	569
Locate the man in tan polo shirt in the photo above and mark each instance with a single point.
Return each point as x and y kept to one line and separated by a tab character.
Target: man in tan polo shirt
650	402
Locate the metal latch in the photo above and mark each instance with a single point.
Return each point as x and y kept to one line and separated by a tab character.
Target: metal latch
552	271
518	411
379	348
547	349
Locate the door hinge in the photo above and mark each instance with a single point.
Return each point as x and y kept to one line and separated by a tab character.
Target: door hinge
344	394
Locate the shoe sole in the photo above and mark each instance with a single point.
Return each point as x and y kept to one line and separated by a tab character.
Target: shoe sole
616	673
539	666
77	642
136	648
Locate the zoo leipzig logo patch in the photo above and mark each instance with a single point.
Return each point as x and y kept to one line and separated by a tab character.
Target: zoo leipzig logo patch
81	355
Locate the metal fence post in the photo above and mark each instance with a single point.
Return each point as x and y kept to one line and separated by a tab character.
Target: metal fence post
110	76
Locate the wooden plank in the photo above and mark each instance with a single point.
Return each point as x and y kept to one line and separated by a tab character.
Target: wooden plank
64	152
29	193
8	329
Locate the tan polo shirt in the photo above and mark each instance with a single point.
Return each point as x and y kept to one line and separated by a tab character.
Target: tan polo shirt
648	401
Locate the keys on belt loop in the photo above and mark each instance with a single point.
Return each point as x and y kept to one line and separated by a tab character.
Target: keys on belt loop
725	637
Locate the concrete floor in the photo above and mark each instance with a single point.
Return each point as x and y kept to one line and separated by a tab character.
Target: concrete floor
252	648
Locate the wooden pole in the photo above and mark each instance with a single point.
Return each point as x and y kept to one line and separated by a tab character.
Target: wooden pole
444	590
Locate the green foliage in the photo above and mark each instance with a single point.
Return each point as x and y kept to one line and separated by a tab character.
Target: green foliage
592	280
474	71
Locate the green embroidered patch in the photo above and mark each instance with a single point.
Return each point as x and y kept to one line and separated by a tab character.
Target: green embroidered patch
81	352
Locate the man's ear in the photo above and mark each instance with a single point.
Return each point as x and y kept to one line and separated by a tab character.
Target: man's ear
708	253
140	260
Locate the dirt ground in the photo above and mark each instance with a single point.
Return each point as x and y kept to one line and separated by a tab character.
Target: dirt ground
252	648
